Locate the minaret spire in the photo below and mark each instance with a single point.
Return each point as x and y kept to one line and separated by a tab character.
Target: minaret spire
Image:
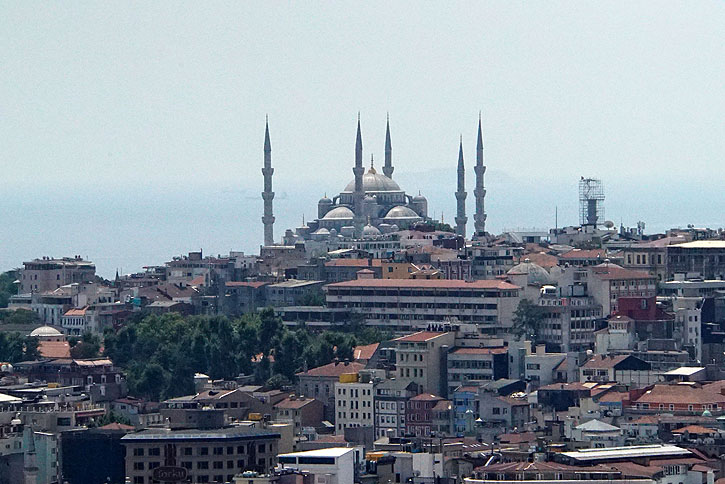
359	193
268	194
461	194
479	218
388	167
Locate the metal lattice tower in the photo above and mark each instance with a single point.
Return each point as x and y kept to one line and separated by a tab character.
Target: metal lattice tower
591	201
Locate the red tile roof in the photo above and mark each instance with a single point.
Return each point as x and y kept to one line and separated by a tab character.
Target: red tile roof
420	336
583	254
427	397
517	438
116	426
294	404
427	283
682	395
354	263
604	361
253	284
333	369
54	349
610	272
365	352
76	312
695	429
480	351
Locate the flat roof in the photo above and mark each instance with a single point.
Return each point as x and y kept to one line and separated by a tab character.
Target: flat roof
427	283
330	452
685	370
634	451
296	283
198	434
702	244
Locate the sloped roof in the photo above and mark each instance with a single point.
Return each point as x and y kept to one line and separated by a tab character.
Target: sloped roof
333	369
604	361
54	349
695	429
365	352
596	426
420	336
294	403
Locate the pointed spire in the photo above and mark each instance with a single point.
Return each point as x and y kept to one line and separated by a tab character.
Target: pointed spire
479	144
388	166
358	143
372	162
267	144
460	154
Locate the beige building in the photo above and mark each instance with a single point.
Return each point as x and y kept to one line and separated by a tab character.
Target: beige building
47	274
418	359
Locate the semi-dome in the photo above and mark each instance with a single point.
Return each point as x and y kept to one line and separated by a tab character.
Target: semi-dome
537	275
375	182
401	212
45	332
339	213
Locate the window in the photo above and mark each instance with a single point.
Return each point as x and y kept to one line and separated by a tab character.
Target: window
138	466
155	451
138	480
187	451
261	449
204	451
203	464
218	464
138	451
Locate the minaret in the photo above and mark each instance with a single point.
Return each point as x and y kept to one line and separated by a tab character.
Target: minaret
388	167
359	193
461	218
268	194
479	218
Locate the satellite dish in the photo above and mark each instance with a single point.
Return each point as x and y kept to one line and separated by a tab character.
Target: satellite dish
609	224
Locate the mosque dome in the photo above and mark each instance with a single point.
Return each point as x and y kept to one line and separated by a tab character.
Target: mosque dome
370	231
537	275
339	213
401	212
419	198
45	332
325	201
321	231
375	182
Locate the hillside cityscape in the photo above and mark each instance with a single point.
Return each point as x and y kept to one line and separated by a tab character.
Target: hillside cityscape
376	344
378	242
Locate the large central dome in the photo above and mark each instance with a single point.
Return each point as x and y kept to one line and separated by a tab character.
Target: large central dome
375	182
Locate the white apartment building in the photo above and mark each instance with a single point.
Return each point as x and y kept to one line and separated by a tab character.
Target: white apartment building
335	465
404	305
418	359
354	401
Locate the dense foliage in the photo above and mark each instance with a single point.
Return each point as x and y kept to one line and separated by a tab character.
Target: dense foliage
527	318
161	353
16	347
7	287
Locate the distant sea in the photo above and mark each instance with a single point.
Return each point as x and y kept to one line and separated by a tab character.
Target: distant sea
128	228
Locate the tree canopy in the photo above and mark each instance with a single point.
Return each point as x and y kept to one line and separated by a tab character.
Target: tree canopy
161	353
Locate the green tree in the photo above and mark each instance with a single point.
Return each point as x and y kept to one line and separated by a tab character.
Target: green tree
527	318
7	287
277	382
88	346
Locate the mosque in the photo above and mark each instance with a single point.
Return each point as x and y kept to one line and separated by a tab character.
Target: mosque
372	204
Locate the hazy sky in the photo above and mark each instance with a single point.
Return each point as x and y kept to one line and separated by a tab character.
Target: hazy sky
117	102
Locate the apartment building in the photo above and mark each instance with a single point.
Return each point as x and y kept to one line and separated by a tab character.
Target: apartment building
47	273
405	305
701	259
469	365
319	383
390	400
420	358
354	401
208	455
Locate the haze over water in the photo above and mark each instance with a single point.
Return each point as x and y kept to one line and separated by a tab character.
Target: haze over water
133	132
